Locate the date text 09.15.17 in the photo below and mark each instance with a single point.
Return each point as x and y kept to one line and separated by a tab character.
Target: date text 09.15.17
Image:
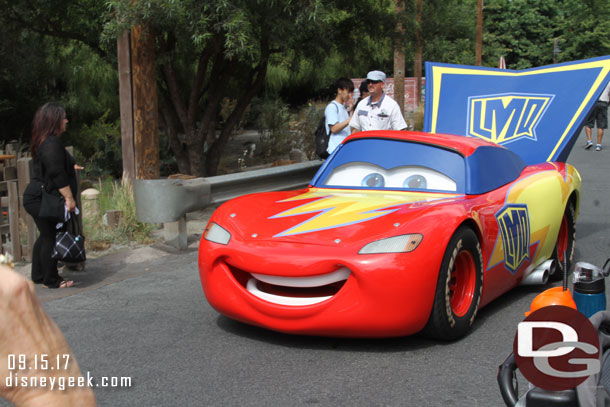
43	361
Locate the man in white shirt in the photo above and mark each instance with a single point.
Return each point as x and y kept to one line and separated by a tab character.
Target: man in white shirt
599	113
378	111
337	115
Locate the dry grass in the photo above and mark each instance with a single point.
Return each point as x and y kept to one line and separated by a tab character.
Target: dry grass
115	196
418	118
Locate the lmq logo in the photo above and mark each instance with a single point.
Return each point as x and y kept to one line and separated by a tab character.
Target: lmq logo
507	117
514	224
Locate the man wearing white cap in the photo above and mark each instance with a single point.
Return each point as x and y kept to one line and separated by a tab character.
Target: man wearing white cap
378	111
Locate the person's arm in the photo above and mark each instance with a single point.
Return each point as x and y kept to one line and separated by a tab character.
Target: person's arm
337	127
66	192
27	334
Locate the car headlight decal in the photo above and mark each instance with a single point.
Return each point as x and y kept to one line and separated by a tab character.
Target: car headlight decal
217	234
396	244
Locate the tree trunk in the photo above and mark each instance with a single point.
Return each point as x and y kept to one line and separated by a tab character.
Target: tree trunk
126	107
479	46
199	125
399	57
417	71
175	144
259	75
196	155
189	152
146	112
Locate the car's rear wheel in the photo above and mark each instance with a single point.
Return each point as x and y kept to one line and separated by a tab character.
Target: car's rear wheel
458	289
564	248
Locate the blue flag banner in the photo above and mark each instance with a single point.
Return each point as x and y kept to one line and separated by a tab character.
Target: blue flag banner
537	113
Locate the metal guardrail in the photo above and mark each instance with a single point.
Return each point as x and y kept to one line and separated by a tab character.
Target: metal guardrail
293	176
169	200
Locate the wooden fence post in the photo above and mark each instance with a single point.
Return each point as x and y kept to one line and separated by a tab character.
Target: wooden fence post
11	149
13	219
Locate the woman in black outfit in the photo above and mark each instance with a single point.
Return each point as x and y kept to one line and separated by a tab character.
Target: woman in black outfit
54	169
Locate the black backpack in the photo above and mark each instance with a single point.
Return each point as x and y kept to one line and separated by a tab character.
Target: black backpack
322	138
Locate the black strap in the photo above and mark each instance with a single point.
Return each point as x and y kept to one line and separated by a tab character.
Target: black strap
72	225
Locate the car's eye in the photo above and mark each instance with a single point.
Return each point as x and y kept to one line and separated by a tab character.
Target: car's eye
415	181
373	180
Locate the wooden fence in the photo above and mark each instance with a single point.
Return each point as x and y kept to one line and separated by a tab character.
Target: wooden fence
17	228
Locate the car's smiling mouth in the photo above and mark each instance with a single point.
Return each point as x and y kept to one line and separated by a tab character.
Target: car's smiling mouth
297	291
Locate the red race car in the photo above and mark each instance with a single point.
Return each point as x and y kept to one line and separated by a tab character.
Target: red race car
398	232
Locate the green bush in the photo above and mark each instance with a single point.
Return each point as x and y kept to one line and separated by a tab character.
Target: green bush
273	125
283	130
306	121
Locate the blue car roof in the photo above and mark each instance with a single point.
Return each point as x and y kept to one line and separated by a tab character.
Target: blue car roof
487	168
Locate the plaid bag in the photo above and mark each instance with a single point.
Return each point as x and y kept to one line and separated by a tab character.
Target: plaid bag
69	243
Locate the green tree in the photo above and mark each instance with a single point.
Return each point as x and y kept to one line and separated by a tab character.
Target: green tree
21	89
521	30
79	20
54	51
212	50
448	30
586	29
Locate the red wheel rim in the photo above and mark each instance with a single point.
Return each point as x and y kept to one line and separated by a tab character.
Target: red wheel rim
562	239
462	283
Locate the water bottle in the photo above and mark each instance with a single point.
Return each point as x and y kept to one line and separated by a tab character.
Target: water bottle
589	288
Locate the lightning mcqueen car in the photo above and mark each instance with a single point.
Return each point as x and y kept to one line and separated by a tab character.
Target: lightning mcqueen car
398	232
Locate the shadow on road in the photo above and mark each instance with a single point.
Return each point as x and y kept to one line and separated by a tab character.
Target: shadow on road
380	345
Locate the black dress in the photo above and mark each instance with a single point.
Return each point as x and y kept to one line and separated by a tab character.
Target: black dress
53	168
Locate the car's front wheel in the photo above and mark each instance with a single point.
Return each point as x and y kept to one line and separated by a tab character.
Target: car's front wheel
458	289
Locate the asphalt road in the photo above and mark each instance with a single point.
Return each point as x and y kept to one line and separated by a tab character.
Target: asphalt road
150	321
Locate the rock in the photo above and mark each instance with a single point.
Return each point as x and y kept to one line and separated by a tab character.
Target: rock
90	200
298	156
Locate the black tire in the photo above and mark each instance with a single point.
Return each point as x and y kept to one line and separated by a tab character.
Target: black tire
458	288
566	241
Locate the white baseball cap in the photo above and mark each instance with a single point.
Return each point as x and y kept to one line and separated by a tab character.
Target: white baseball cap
376	76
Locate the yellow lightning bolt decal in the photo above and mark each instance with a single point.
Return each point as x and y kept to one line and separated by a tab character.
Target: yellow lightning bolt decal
335	208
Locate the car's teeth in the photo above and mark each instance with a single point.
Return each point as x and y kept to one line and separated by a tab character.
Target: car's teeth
305	282
296	282
278	299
